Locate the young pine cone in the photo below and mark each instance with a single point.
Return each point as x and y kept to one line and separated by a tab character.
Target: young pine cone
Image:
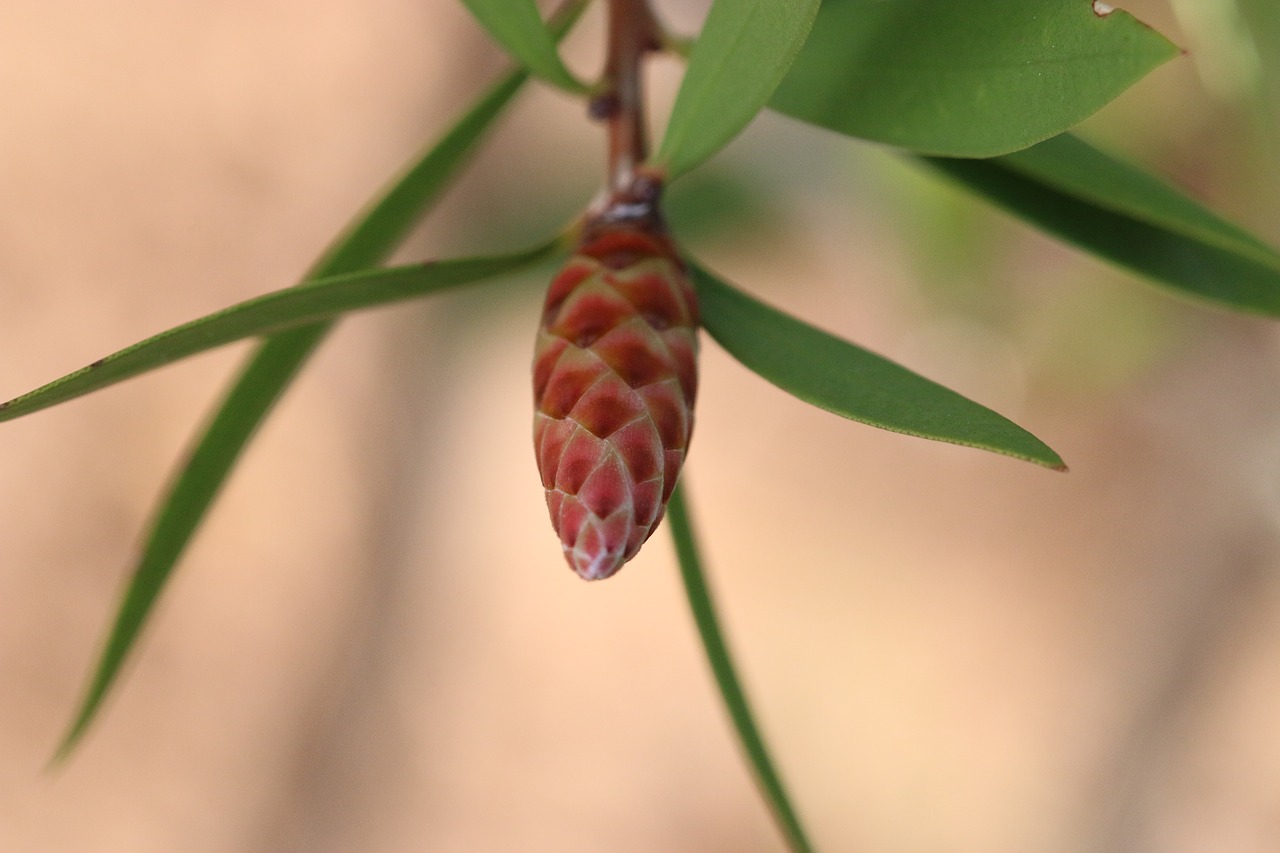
614	377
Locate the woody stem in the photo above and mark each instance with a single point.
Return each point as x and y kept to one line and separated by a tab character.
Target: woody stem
633	31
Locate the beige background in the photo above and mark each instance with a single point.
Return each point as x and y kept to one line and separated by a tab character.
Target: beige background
374	644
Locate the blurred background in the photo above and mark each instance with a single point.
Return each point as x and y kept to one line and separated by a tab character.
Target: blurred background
374	643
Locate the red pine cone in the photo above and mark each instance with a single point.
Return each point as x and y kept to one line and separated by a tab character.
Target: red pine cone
614	378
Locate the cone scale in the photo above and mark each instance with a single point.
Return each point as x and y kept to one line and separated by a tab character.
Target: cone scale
614	380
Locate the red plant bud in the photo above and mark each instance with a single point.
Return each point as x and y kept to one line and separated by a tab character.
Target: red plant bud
614	379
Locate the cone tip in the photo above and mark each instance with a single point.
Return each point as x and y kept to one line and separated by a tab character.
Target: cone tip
594	565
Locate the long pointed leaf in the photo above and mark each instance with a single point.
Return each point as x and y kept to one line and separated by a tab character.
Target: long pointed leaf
849	381
281	310
735	698
1129	217
190	494
256	391
518	27
964	78
372	236
742	54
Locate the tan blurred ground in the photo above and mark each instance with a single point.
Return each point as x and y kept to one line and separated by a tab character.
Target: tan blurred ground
374	644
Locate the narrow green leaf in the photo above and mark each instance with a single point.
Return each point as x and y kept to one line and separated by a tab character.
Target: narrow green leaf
192	491
258	388
281	310
735	698
964	78
849	381
370	238
742	54
1129	217
518	27
1073	166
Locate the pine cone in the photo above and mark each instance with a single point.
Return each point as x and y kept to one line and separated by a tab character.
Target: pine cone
614	379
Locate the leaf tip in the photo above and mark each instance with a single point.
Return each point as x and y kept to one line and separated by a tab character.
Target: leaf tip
58	761
1051	460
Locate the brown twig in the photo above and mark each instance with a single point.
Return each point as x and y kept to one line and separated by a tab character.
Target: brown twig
631	192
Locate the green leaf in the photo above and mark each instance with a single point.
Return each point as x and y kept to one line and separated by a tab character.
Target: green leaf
281	310
743	52
1260	46
518	27
1133	219
256	391
735	698
849	381
192	492
371	237
964	78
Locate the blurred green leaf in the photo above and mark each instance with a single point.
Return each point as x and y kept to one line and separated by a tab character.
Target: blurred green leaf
257	390
964	78
735	698
1262	18
743	52
720	204
1133	219
518	27
368	240
849	381
303	305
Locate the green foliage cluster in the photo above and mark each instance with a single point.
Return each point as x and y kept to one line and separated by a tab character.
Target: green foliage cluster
981	92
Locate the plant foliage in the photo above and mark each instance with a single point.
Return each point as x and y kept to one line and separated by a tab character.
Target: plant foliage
964	79
951	82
